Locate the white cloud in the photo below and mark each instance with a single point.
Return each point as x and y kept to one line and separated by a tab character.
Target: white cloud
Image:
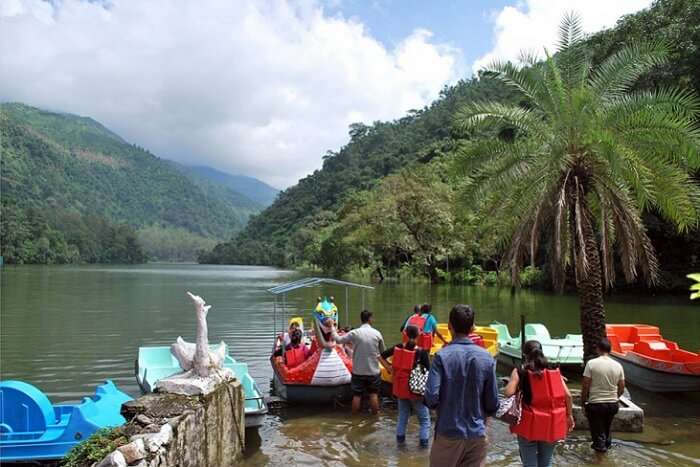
260	87
532	24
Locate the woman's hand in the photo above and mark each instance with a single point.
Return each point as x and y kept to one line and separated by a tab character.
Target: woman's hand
571	423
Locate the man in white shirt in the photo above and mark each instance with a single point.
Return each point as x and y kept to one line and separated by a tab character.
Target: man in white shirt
367	344
603	384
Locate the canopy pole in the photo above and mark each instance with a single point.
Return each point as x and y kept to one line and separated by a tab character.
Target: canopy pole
363	299
347	310
284	310
274	320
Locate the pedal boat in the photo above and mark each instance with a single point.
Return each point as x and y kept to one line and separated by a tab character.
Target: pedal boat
489	339
324	376
652	362
566	351
32	429
156	363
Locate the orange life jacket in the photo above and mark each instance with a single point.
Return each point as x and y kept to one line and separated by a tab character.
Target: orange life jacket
402	364
478	340
294	356
425	339
545	418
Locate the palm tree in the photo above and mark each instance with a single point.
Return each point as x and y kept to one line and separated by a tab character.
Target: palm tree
585	156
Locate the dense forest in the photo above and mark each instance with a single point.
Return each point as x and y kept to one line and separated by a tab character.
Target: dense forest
69	180
390	202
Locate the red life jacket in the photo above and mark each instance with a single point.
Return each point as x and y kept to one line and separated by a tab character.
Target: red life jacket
402	364
545	418
294	356
425	339
478	340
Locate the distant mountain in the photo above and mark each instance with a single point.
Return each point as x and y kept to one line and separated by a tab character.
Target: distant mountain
258	191
55	162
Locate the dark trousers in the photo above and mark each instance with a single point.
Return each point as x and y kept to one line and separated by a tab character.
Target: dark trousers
600	417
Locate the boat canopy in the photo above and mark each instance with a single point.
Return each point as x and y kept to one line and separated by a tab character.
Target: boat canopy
313	282
283	289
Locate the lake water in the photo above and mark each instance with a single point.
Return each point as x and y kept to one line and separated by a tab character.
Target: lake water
66	329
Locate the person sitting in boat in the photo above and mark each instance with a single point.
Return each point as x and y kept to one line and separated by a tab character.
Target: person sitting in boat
405	357
296	352
426	323
547	415
285	339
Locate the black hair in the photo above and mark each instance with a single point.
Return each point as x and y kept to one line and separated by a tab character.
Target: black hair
295	338
412	331
426	308
604	345
365	316
462	319
416	309
535	360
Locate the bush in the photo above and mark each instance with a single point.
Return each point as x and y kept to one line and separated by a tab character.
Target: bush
532	277
95	448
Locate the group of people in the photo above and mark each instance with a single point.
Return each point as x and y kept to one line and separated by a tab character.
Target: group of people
462	388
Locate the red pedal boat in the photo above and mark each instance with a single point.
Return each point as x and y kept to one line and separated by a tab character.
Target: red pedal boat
652	362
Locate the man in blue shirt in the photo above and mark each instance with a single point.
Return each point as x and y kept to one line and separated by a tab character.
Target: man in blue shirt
462	388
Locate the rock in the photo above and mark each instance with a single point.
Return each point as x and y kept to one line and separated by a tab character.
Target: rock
153	441
115	459
143	419
152	428
133	451
188	384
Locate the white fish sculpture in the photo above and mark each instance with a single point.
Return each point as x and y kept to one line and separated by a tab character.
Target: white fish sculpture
197	356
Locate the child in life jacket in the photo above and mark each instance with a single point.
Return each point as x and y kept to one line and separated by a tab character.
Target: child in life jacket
423	319
405	357
546	406
296	352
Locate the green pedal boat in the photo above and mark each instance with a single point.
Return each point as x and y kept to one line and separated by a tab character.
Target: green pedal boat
156	363
566	351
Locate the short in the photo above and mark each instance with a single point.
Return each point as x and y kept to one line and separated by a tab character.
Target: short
360	384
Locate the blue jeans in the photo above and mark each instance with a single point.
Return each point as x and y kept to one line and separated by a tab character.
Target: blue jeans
535	453
421	411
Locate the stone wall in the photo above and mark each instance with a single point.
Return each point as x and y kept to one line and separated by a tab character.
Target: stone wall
176	430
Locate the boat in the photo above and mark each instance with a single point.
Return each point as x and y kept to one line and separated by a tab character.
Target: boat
567	351
652	362
484	336
156	363
32	429
324	376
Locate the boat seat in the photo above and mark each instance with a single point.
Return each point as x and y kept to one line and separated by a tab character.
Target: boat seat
626	346
24	408
654	349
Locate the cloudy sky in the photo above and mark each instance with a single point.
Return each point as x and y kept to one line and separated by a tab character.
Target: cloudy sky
261	88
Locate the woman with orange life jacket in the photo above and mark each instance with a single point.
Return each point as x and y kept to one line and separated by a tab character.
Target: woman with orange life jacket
296	352
546	407
405	357
426	323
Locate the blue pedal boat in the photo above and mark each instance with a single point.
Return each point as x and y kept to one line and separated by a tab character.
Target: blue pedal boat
33	429
156	363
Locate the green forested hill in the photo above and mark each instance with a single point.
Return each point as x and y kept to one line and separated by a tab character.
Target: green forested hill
388	199
61	166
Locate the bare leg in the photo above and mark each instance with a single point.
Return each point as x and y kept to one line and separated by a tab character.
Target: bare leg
356	404
374	403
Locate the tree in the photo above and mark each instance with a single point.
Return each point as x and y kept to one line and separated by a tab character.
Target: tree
579	160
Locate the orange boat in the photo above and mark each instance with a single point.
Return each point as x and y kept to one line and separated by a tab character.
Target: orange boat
652	362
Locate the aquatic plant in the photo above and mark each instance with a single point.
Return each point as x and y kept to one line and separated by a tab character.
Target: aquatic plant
577	162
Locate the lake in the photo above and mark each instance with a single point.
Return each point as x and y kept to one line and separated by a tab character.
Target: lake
68	328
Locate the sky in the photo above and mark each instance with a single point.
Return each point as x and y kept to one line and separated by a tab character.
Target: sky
262	88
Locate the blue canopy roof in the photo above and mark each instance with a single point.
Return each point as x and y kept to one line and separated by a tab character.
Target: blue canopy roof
313	282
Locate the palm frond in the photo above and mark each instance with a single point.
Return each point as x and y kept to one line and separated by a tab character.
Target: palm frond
570	31
619	71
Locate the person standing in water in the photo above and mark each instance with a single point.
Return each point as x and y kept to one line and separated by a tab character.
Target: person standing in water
462	388
423	319
367	344
603	384
547	415
405	357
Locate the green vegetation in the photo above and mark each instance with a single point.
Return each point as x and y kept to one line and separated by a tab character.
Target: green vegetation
59	236
695	288
95	448
172	244
584	156
61	172
398	199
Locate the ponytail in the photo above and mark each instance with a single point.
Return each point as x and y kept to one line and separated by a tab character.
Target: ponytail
534	360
